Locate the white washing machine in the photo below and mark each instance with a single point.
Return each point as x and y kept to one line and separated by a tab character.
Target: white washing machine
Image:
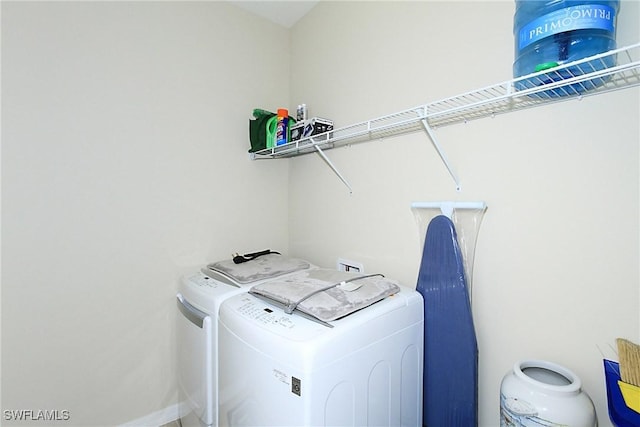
198	300
279	369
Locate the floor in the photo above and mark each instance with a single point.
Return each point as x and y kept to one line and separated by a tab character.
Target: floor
175	423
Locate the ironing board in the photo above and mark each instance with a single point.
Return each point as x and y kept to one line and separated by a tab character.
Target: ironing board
451	351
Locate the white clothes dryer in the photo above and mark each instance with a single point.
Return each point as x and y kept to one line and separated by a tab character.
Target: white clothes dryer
199	298
279	369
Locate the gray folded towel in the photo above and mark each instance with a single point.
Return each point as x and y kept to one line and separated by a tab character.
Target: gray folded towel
326	294
263	267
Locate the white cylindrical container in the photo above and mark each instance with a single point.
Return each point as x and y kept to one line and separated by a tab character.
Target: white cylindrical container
537	392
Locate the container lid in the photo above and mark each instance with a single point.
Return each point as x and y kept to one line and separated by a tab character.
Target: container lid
283	112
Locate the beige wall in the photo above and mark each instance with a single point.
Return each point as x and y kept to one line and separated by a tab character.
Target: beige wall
556	272
124	166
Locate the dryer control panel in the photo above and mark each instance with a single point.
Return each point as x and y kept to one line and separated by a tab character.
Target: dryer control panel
206	293
200	280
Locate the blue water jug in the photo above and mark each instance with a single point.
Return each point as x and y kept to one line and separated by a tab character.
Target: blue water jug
549	33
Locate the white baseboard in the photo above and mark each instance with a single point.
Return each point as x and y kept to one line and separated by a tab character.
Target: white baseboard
156	419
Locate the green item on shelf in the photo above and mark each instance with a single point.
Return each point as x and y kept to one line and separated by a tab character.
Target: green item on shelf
259	112
272	125
271	131
262	129
258	129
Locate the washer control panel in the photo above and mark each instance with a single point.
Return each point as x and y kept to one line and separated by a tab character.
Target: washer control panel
255	310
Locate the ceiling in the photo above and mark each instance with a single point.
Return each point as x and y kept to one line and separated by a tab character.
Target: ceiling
285	13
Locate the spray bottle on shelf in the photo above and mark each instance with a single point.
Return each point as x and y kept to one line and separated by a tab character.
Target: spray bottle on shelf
301	113
282	127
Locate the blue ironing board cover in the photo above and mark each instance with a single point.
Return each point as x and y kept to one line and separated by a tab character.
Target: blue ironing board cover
450	345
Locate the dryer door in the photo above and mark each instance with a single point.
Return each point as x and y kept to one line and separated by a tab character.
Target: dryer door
195	365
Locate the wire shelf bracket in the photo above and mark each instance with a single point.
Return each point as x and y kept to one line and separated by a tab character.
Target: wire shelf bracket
434	141
333	168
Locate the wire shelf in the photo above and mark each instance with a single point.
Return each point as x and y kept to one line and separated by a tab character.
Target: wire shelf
606	72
